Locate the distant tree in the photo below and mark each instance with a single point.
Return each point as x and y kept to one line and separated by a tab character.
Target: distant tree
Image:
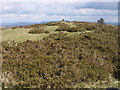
101	20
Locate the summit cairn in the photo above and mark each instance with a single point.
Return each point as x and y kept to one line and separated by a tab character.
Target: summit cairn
63	20
101	20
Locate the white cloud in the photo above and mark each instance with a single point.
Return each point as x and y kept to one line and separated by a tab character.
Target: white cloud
61	1
80	12
23	15
54	9
99	12
7	7
43	17
37	12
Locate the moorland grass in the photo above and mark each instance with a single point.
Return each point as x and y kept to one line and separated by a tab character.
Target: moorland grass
22	34
61	59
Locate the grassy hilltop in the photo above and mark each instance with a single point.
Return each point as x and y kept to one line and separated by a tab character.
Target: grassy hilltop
21	33
60	55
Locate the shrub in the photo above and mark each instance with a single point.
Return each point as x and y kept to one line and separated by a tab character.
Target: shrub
13	27
37	31
56	36
75	29
34	26
53	24
63	27
60	60
90	27
46	31
17	27
107	29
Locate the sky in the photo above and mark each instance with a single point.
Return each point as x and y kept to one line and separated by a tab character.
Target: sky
43	10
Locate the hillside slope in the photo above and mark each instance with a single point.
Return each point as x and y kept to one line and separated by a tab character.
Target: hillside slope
21	33
70	55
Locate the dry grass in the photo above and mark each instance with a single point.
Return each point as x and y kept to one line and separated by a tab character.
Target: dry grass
21	34
69	23
112	82
90	55
8	79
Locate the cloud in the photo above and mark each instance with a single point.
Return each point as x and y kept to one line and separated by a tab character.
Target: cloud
60	0
59	8
43	17
81	12
44	11
21	8
101	5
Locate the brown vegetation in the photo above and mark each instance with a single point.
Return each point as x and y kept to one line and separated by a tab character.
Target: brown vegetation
38	31
62	61
63	27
